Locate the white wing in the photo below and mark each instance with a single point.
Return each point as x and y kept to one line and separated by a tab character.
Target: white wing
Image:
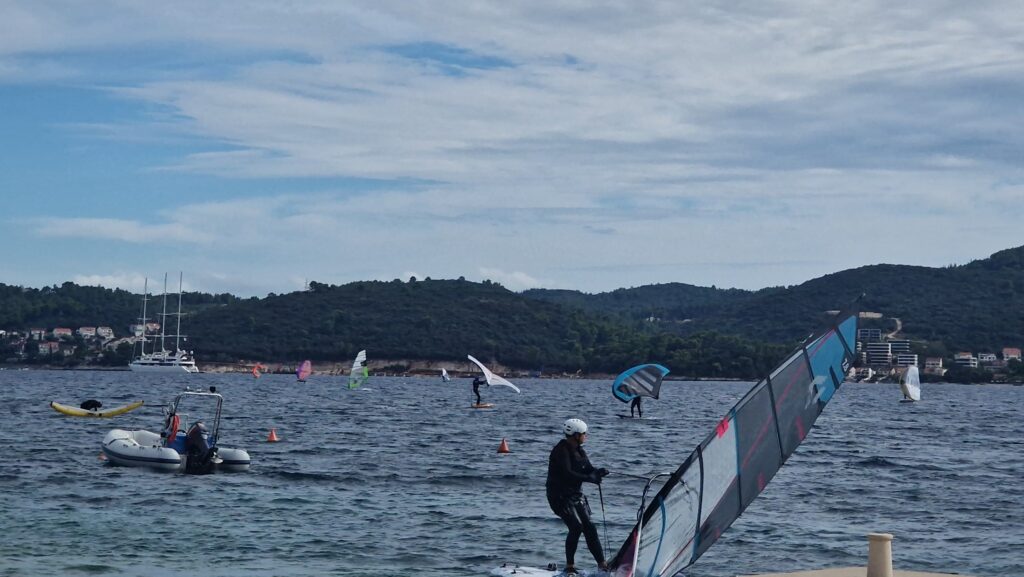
491	378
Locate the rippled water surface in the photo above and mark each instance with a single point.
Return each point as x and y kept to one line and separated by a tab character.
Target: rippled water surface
405	479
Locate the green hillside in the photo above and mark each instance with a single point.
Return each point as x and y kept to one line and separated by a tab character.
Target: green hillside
696	331
976	307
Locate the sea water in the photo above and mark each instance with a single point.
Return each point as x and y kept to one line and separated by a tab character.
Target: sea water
405	479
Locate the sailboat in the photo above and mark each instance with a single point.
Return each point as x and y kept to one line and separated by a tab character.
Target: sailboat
360	372
911	385
177	360
722	476
304	370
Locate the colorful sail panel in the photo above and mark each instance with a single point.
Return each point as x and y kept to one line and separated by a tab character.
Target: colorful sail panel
732	466
639	381
360	372
305	369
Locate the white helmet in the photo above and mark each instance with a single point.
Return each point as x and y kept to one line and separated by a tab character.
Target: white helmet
573	426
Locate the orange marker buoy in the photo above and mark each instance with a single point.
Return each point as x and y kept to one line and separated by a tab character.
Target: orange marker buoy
272	437
503	447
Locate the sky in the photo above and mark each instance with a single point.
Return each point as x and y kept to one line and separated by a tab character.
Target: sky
256	146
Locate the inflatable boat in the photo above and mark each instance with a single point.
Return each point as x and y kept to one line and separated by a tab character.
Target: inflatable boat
101	413
181	446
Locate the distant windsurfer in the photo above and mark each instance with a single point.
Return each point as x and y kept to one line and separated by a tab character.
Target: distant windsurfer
568	468
635	404
477	381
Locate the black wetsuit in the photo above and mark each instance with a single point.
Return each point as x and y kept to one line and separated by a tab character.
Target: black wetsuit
568	468
476	389
635	404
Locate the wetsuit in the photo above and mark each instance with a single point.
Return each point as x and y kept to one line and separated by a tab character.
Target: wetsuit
635	404
568	468
476	389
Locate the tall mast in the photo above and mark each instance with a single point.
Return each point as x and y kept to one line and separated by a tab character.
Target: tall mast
177	332
163	317
143	319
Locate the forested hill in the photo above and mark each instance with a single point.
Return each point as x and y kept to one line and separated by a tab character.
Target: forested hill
447	319
978	306
696	331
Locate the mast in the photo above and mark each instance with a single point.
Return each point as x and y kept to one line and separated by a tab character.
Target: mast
177	332
163	318
143	319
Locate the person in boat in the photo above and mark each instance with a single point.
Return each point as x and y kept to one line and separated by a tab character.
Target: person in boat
635	404
91	405
477	381
568	468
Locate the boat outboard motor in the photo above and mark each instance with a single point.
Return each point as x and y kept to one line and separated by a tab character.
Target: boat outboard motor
198	450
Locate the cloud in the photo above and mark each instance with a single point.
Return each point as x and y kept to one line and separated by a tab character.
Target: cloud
675	141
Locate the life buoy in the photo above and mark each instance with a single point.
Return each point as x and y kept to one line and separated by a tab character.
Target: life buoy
172	429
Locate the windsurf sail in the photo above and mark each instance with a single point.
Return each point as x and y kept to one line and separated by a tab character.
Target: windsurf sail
360	372
911	384
444	375
491	378
713	486
305	369
256	371
639	381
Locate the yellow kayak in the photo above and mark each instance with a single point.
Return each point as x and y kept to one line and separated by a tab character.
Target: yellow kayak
105	413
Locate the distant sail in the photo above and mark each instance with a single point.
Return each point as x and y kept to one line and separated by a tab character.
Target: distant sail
444	375
911	385
256	371
640	381
305	369
491	378
731	467
360	372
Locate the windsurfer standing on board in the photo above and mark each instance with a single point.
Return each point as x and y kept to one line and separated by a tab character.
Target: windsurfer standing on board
477	381
568	468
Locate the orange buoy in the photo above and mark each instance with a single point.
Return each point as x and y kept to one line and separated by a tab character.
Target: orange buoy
272	437
503	447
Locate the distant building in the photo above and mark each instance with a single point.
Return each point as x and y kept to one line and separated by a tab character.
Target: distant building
899	346
869	335
105	332
37	334
906	360
87	332
1011	354
965	360
933	363
878	354
987	358
49	348
61	332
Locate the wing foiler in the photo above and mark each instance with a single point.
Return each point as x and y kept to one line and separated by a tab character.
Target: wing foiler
716	483
491	378
639	381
